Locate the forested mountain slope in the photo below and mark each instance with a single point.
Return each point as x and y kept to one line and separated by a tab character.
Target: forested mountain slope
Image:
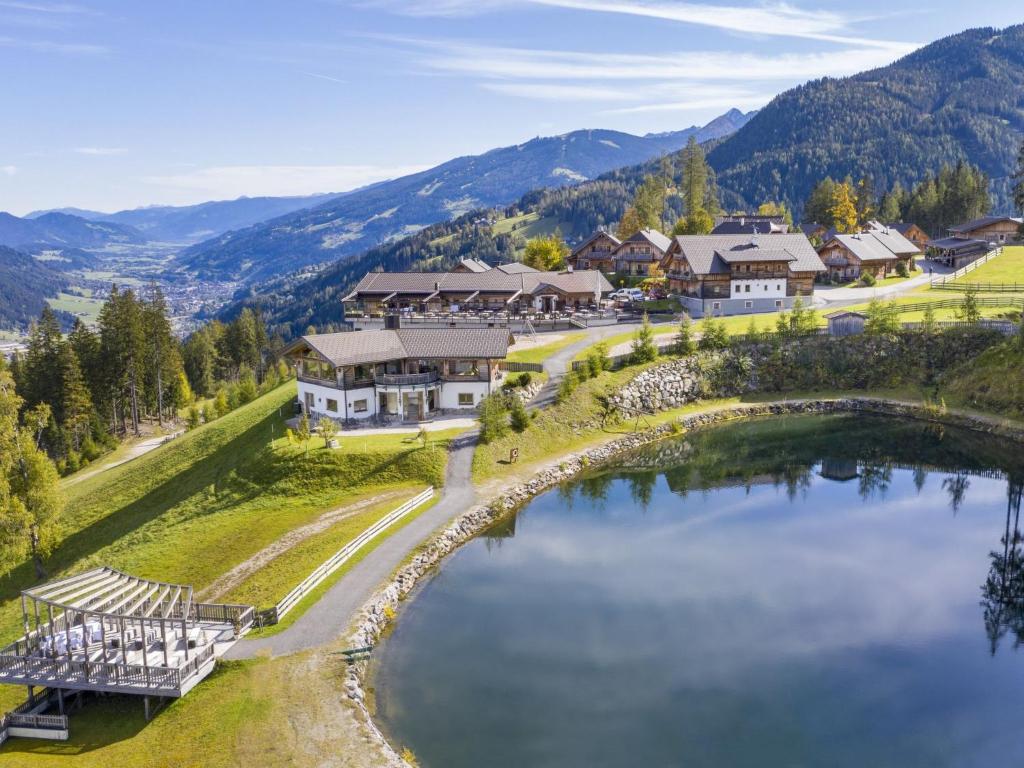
350	224
25	285
960	98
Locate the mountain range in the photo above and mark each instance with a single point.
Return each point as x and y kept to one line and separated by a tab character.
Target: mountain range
348	225
192	223
64	229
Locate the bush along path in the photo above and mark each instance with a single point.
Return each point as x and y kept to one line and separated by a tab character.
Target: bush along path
330	617
558	363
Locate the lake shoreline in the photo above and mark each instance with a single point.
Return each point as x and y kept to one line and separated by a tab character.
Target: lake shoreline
382	610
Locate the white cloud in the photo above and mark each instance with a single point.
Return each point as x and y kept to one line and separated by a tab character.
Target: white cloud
225	182
325	77
775	19
524	63
100	151
56	8
8	170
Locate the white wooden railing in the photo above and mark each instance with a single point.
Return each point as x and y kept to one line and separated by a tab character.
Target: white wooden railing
339	558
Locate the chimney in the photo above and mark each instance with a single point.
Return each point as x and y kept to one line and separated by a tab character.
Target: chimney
437	285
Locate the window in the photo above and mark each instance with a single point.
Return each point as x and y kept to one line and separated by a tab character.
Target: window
465	398
464	367
716	305
332	405
360	372
748	304
360	406
778	303
748	287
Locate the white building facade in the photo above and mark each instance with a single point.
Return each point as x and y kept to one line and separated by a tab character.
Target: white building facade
402	374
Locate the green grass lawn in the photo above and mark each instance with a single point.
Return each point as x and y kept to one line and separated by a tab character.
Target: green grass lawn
196	507
1008	267
539	354
81	306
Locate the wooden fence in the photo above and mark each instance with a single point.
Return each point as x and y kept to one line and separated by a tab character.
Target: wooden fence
981	287
512	366
343	555
944	279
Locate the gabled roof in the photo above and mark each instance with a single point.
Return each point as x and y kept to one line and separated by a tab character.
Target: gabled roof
958	244
359	347
515	268
492	281
983	221
875	245
712	254
652	236
473	265
597	235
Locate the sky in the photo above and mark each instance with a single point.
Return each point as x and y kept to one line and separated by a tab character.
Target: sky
113	105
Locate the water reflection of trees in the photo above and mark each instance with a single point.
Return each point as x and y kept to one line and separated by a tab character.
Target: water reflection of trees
1003	591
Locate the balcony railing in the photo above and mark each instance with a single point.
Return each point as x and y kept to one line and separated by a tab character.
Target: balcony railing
405	379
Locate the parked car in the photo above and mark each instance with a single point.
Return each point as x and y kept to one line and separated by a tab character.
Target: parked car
627	294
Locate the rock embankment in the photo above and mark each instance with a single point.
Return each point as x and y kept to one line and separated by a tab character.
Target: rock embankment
662	388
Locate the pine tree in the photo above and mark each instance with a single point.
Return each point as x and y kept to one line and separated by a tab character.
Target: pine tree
644	349
695	178
818	209
629	224
865	201
162	357
76	403
685	345
520	419
1018	179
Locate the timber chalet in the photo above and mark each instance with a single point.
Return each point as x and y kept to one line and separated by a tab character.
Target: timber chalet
740	274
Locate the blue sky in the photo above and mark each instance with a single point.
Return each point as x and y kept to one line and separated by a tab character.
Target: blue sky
110	105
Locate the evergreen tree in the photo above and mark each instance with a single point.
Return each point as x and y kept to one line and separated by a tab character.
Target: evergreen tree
865	201
519	418
163	360
41	372
1018	181
493	418
199	355
123	350
969	310
76	402
818	208
685	345
695	178
644	349
890	209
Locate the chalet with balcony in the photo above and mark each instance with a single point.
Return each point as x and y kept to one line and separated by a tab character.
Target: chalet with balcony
641	254
969	242
402	373
738	274
875	251
596	252
515	289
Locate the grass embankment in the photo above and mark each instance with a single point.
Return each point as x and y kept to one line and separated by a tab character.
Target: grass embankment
541	352
993	381
1007	267
193	509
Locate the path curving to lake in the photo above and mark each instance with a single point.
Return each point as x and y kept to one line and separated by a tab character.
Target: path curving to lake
329	618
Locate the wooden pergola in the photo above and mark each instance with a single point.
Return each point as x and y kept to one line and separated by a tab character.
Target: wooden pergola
104	630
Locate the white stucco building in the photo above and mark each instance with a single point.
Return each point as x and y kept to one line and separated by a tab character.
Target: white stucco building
407	373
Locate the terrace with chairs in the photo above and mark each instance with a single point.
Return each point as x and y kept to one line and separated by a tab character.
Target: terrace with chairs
104	630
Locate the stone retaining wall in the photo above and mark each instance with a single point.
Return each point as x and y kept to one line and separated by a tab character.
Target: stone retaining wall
382	608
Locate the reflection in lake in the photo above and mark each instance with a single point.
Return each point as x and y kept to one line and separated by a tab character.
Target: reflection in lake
790	592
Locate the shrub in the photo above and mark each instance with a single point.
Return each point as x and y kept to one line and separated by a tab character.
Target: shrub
598	360
525	379
193	419
493	418
902	269
520	419
712	335
221	404
867	279
568	385
90	451
685	344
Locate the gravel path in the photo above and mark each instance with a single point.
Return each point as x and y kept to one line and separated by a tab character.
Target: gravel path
329	618
556	365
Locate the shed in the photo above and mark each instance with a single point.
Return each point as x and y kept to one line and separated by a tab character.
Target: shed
845	323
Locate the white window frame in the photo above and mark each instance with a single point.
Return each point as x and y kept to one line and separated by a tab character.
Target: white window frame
465	399
328	405
361	406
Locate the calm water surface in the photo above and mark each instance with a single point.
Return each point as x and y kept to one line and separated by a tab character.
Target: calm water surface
811	591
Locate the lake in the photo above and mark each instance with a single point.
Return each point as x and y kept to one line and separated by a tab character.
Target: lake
799	591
